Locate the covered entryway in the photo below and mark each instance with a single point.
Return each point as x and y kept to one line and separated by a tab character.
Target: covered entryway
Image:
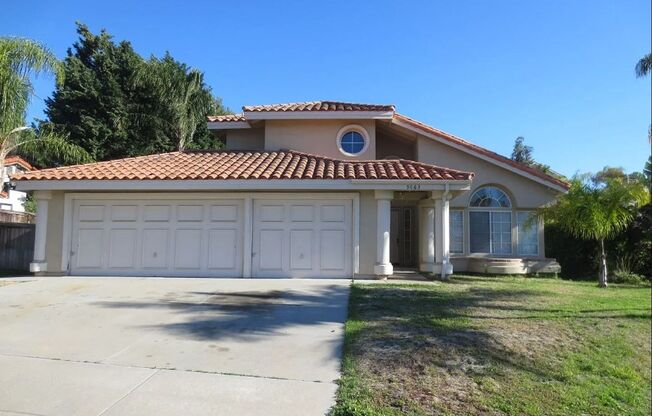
157	237
302	238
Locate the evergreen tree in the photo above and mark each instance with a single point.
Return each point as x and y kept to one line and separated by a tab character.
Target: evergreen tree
109	108
522	153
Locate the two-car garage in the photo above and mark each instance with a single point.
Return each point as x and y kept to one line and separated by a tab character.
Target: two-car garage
213	236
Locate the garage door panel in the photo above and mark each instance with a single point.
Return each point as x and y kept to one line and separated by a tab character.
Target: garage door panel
224	213
302	213
187	246
90	248
272	213
333	213
190	213
301	249
270	253
332	250
91	213
122	248
223	249
156	213
124	213
155	248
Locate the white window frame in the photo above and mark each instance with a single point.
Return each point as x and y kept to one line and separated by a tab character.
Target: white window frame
356	128
518	239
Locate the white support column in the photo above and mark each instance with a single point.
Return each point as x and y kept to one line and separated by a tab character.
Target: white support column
447	267
427	236
39	264
383	267
442	236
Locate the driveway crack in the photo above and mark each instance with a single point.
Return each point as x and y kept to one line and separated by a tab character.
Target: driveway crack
128	393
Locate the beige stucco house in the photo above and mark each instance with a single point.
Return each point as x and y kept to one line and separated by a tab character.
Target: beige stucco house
317	189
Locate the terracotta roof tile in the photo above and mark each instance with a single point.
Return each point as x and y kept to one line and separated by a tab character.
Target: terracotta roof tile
244	165
226	118
318	106
17	160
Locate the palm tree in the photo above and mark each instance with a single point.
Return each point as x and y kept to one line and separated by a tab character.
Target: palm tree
20	59
597	211
644	66
185	99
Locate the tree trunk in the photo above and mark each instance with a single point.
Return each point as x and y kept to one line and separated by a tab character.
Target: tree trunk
603	266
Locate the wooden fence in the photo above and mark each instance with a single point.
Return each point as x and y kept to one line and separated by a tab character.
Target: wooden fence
16	246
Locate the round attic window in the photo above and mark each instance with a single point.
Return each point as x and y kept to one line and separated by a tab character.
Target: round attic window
352	140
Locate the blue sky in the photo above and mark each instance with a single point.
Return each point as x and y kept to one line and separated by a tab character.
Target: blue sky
560	73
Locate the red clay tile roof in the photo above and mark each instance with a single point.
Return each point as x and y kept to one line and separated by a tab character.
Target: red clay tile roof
319	106
226	118
244	165
481	150
17	160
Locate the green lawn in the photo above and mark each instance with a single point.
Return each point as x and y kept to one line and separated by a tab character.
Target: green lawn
501	345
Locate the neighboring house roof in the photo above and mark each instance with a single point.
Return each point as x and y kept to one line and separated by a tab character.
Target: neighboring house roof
318	106
478	149
220	165
227	118
17	160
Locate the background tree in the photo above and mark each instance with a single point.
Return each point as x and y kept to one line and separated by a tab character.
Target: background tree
181	103
597	212
21	59
109	107
522	153
644	66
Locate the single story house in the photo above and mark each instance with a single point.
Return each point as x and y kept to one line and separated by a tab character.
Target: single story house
313	189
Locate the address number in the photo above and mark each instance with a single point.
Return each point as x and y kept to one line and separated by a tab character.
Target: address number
413	187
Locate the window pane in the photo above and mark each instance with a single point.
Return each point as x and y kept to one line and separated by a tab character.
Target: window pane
456	231
528	234
501	232
479	232
352	142
490	197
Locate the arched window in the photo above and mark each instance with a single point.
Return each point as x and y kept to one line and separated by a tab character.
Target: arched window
490	197
490	221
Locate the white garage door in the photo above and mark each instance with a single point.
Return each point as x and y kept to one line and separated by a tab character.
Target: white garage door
157	238
302	239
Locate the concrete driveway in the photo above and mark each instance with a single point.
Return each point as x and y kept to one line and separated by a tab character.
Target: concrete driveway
138	346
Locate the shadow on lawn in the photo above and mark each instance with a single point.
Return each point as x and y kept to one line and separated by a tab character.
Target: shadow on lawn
244	315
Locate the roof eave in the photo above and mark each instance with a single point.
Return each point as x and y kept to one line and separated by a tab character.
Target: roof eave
228	125
242	184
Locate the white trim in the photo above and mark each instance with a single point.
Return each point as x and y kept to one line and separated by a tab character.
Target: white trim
348	128
248	197
479	155
227	125
323	115
356	234
248	230
244	185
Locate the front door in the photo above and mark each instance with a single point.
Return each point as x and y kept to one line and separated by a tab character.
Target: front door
402	248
